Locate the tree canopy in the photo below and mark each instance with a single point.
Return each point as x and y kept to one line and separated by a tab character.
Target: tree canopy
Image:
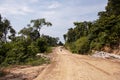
22	49
6	28
104	31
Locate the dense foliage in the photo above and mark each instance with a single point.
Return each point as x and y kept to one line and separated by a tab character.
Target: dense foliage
105	31
22	49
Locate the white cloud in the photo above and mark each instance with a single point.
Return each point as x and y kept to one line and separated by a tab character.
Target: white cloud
14	8
61	13
26	9
54	5
33	1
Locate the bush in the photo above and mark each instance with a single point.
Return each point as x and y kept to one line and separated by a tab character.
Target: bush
32	49
16	53
42	44
4	48
22	52
95	45
82	45
37	61
71	46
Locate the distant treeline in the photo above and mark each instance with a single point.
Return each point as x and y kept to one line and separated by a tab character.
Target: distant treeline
105	31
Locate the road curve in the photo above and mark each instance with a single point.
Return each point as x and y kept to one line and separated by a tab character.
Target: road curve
67	66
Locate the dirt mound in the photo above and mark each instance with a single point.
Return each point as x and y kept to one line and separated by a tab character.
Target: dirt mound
103	54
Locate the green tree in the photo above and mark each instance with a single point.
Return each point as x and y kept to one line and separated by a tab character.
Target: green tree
51	41
71	35
42	45
65	37
82	45
112	7
39	23
29	32
105	31
6	28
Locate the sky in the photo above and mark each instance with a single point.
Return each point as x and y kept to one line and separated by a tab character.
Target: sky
61	13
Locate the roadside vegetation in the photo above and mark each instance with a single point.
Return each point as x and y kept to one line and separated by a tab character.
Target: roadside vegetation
22	49
94	35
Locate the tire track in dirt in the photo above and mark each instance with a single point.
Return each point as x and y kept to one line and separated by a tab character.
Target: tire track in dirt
67	66
91	65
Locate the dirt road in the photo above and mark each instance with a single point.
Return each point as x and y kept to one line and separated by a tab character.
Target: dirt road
67	66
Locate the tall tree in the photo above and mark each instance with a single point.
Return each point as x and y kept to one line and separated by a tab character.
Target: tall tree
71	35
5	28
51	41
29	32
65	37
39	23
33	30
105	31
113	7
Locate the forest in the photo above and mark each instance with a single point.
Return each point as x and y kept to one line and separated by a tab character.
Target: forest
22	49
95	35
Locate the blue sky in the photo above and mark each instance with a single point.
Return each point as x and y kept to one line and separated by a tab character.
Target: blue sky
61	13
